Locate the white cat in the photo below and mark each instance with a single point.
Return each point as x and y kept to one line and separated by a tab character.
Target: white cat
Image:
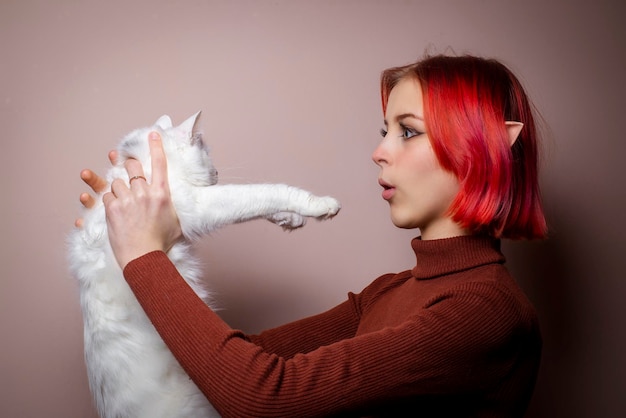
131	372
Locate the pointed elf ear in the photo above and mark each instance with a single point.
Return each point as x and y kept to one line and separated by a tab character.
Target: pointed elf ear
513	128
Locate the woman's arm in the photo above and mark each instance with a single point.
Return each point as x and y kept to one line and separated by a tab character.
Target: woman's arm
308	334
457	346
244	379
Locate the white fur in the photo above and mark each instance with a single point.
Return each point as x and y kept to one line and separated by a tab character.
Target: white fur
131	371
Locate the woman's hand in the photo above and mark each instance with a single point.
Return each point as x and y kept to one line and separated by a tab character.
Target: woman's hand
141	218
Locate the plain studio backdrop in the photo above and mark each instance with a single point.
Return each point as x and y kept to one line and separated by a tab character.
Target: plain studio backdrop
289	93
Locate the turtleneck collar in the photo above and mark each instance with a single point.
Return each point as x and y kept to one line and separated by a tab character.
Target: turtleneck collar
450	255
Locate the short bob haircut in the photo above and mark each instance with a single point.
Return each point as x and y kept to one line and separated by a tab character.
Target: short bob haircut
467	100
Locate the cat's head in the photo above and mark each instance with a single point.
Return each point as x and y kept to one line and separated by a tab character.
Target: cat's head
188	157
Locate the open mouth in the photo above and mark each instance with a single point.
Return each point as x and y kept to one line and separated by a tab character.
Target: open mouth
388	189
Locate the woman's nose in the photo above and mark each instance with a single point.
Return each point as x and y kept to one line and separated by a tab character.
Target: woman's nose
380	155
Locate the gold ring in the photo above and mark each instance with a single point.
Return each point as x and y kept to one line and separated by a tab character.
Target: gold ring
130	181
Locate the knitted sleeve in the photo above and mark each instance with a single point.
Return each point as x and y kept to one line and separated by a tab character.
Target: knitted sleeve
308	334
426	354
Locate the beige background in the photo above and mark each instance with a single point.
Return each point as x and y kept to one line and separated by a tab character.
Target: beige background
289	93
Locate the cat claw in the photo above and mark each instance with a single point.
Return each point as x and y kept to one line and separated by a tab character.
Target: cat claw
287	220
328	207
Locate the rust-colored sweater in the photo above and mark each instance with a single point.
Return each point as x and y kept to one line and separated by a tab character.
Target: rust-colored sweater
454	336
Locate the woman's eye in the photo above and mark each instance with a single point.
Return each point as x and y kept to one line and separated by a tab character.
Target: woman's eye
406	132
409	132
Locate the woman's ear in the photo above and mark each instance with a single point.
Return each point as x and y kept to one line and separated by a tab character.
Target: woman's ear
513	128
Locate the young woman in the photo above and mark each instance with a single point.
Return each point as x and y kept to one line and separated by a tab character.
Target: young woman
454	336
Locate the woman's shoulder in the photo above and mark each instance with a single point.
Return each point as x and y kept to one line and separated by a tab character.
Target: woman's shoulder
496	291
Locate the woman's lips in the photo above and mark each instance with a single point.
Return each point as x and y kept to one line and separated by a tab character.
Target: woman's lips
388	189
388	193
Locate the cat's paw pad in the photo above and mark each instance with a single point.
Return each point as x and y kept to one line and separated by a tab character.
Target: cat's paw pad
325	207
287	220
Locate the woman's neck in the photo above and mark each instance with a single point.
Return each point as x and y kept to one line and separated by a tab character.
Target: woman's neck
442	228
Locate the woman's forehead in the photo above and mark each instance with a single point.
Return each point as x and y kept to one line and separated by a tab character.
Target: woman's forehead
405	99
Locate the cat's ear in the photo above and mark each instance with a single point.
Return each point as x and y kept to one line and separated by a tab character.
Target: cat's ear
164	122
190	125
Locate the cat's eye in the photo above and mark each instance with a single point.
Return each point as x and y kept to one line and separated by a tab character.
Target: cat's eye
383	132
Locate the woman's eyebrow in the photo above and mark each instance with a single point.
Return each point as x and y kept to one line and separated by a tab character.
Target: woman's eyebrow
403	116
409	115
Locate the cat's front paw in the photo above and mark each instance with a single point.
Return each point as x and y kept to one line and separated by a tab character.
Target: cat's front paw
287	220
324	207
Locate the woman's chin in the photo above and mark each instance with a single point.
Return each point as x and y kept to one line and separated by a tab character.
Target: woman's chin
403	223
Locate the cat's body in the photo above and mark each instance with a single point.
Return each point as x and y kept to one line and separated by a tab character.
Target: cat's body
131	371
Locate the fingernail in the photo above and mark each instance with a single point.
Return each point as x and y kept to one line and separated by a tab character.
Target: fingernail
154	136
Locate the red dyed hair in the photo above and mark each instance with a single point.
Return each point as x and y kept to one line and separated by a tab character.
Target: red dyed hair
466	103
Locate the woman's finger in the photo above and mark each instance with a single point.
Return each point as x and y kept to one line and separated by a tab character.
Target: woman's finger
113	157
97	183
159	161
87	200
119	189
135	173
107	198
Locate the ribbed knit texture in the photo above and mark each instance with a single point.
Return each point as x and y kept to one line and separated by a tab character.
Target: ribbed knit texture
454	336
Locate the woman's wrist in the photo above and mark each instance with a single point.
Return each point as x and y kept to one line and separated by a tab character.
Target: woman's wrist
127	257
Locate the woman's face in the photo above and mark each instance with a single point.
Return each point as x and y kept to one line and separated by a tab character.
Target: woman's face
418	190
